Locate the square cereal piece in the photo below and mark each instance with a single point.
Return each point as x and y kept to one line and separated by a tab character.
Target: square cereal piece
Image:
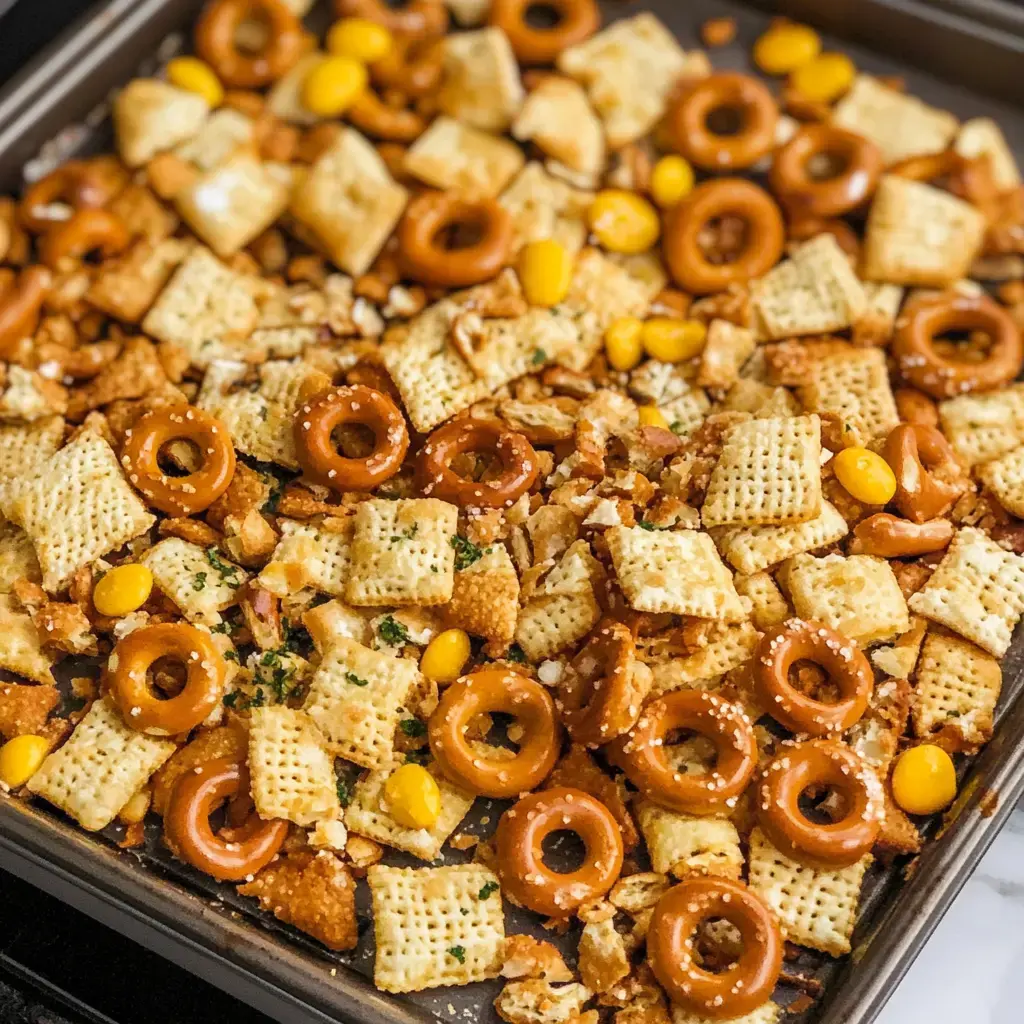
75	508
127	287
453	156
292	772
956	691
628	70
977	591
434	381
536	1001
433	928
899	124
368	815
769	472
876	323
666	386
485	597
983	427
1004	477
557	117
285	99
100	768
679	572
981	136
769	606
726	348
854	384
310	555
919	235
753	548
151	116
350	202
814	292
726	647
683	844
469	12
815	908
402	552
228	206
601	292
25	710
224	131
204	305
356	697
766	1013
856	595
20	649
24	446
313	892
542	207
481	85
201	583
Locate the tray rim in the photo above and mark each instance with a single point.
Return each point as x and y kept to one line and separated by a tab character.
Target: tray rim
269	973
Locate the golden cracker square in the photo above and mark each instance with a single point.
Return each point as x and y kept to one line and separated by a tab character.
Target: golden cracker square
985	426
1004	477
982	136
311	555
285	98
769	607
769	472
485	597
17	557
76	508
549	625
100	768
670	571
25	446
726	647
481	85
977	591
684	844
223	133
20	649
726	348
127	287
402	552
292	772
667	386
201	582
435	926
542	206
151	116
557	118
356	697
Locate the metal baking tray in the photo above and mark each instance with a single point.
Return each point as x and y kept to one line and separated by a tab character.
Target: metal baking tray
57	107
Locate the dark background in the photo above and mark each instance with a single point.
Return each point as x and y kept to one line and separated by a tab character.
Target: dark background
56	965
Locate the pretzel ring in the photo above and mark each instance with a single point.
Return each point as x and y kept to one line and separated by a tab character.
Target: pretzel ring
215	41
131	659
726	91
371	115
86	230
519	840
483	692
317	419
577	20
603	687
970	178
796	640
519	464
820	763
79	183
888	536
413	66
793	181
805	228
740	988
643	756
722	197
429	261
422	18
20	306
940	376
179	495
914	451
233	854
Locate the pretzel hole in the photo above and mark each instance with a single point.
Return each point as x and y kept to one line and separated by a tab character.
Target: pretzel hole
461	234
543	16
718	944
810	679
724	239
726	120
563	851
353	440
822	804
689	752
477	466
963	346
179	456
497	729
826	165
166	677
253	33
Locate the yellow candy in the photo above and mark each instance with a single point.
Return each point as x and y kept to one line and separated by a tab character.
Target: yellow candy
446	656
360	39
671	180
865	475
786	47
825	78
673	341
545	272
622	343
624	222
414	800
20	759
123	590
196	76
652	416
924	779
333	86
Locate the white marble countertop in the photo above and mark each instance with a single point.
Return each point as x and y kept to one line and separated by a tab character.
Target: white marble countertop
971	970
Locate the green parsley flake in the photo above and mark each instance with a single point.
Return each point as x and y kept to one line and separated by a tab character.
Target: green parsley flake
413	727
486	891
199	581
459	952
466	552
393	632
344	795
351	677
